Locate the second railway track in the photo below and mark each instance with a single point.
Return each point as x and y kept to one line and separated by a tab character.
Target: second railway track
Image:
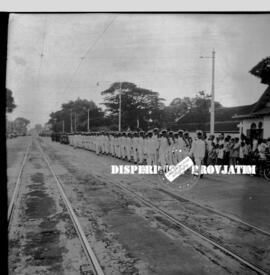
221	245
204	236
171	192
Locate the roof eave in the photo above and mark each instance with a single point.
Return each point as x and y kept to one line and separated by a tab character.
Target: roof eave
251	115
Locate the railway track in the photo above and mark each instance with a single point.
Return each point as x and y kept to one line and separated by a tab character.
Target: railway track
85	244
203	235
96	268
172	193
12	204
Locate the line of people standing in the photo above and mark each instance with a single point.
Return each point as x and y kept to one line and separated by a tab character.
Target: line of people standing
152	147
169	148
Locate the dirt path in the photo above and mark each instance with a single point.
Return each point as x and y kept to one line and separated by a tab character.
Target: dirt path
42	239
122	230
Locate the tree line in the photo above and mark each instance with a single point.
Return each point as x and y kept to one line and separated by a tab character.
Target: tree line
141	108
18	125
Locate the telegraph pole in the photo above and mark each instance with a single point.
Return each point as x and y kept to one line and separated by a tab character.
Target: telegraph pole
88	120
212	119
63	130
75	122
120	103
54	124
212	108
71	128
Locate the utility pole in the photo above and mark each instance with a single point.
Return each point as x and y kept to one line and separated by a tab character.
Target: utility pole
75	121
88	120
120	103
71	128
54	124
212	119
63	130
212	108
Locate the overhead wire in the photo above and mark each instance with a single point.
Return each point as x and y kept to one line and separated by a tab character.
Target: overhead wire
42	51
91	47
87	52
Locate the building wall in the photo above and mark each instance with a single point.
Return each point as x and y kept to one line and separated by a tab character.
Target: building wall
233	135
266	126
247	123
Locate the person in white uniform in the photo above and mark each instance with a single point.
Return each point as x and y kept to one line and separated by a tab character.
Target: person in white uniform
128	146
155	140
163	148
135	147
141	147
198	150
180	146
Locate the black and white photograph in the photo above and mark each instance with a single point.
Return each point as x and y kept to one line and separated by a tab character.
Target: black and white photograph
138	143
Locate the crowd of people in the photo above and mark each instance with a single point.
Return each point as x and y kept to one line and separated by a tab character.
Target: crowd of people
164	147
152	147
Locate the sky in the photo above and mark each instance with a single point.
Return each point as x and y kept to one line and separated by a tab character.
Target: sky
55	58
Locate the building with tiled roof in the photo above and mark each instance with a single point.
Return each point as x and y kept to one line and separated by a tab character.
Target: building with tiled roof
239	119
257	121
251	120
225	119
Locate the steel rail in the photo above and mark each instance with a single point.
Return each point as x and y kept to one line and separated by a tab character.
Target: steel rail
178	223
170	191
206	238
88	250
12	203
235	219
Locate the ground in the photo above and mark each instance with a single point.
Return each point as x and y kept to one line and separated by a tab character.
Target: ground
129	237
42	239
245	197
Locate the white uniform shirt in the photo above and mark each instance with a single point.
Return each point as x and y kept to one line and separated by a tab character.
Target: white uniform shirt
181	143
163	144
141	143
155	141
198	148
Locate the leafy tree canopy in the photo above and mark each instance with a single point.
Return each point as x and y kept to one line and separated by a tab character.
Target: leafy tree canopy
10	103
139	106
20	125
179	107
77	112
21	121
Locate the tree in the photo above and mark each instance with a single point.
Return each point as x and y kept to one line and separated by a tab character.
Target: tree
38	128
20	125
77	111
140	107
179	107
10	103
203	101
